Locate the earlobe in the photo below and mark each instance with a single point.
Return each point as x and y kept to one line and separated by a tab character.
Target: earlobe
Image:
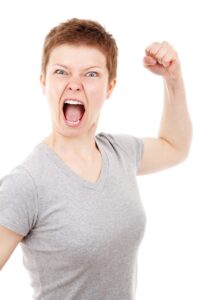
42	81
111	88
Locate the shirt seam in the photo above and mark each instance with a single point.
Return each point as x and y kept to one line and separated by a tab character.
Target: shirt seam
116	143
139	154
36	190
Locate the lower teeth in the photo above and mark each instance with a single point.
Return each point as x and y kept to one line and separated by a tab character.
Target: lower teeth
73	122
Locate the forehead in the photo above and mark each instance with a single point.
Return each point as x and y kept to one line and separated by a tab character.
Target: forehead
79	55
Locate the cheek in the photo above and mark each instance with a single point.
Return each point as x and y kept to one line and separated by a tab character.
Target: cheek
54	90
98	99
97	89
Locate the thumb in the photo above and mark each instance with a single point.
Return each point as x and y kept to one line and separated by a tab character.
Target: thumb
149	61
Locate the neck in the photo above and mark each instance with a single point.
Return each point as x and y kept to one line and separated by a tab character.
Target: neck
80	147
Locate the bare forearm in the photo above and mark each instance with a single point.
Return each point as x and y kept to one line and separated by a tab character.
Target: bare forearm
176	126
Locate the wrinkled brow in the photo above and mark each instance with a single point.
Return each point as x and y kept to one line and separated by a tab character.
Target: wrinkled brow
66	67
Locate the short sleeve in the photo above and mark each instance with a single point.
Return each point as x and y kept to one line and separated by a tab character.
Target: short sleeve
18	201
131	145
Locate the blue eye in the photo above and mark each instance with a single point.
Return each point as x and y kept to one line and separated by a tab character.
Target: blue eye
60	72
92	74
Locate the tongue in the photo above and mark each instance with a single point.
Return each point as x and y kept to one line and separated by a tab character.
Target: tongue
73	112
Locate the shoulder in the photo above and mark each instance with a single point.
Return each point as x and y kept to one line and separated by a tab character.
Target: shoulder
121	139
18	175
129	145
18	200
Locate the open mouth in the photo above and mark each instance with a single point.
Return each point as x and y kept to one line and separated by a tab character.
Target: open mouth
73	112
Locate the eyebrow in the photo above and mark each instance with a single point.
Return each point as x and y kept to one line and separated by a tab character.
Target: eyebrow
87	68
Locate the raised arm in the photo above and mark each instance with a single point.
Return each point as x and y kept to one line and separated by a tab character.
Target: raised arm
175	133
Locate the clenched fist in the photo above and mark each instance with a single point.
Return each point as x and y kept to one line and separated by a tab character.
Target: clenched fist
162	59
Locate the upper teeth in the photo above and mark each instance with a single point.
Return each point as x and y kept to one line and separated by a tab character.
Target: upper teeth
73	102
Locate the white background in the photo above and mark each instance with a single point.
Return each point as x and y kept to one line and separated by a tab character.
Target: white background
169	256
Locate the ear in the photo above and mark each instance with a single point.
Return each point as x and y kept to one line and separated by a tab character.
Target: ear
42	81
111	86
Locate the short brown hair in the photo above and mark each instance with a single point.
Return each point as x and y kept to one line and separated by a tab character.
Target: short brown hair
82	32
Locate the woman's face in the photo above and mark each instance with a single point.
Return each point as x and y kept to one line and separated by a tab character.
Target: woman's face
76	72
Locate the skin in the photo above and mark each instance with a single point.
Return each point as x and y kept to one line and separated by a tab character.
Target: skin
173	143
77	81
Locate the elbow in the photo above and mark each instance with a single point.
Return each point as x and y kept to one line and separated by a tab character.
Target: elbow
179	154
183	154
186	150
182	150
181	144
182	158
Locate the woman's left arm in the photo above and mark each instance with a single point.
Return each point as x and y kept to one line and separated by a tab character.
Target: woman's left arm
175	132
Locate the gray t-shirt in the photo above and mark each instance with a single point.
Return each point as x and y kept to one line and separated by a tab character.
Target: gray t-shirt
81	238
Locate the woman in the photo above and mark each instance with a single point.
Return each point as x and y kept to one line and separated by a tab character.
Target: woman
73	203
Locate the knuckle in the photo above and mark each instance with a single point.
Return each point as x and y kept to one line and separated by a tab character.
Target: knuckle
165	43
156	44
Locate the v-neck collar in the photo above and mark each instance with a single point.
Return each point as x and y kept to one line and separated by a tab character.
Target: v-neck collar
98	185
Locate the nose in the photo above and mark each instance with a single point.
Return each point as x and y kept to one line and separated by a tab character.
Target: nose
74	84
